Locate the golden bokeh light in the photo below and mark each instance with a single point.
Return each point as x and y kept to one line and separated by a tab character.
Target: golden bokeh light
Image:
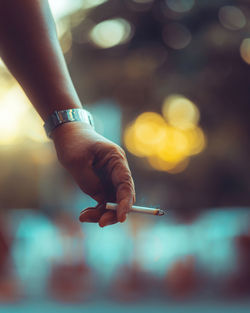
160	164
163	166
245	50
131	143
144	136
167	143
18	120
180	112
175	147
111	33
150	129
196	140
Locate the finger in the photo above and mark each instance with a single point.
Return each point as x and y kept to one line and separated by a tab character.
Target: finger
92	215
108	218
125	191
123	208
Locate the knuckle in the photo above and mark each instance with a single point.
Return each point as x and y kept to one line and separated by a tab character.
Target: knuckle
117	150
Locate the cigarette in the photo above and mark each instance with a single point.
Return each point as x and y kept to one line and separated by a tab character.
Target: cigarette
137	209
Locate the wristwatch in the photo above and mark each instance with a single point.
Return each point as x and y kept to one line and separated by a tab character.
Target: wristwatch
72	115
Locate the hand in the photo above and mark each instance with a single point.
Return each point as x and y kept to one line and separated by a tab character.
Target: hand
99	167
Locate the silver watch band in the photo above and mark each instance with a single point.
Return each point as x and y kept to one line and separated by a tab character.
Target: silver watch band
71	115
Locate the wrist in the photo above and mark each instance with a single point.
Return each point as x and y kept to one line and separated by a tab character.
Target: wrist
66	129
58	118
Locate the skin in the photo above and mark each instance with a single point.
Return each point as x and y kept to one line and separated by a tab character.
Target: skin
29	47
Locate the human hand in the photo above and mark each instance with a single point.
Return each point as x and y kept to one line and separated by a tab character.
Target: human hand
99	167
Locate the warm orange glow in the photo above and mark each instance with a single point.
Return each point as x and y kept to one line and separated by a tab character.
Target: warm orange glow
175	148
160	165
131	144
245	50
196	140
18	120
167	144
172	168
150	129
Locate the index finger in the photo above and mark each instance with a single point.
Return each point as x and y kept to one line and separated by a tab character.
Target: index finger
124	185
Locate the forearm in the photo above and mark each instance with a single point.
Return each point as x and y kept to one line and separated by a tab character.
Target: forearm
30	49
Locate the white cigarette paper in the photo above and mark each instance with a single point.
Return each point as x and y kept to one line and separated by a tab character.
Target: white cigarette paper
137	209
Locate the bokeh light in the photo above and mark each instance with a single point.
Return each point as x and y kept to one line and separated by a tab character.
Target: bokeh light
245	50
232	17
196	140
150	128
111	33
131	143
175	148
167	143
164	166
176	36
180	6
18	120
180	112
145	134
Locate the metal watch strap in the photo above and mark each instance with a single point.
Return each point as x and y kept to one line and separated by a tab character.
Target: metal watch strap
64	116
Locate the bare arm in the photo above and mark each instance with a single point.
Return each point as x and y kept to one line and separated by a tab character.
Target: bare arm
30	48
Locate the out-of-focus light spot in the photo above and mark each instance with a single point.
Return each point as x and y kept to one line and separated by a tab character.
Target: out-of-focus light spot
180	112
11	111
245	50
180	6
131	143
175	148
143	137
176	36
150	128
160	165
167	146
232	17
16	123
179	167
111	33
196	140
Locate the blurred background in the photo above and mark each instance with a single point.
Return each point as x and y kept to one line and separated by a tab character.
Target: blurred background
169	81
